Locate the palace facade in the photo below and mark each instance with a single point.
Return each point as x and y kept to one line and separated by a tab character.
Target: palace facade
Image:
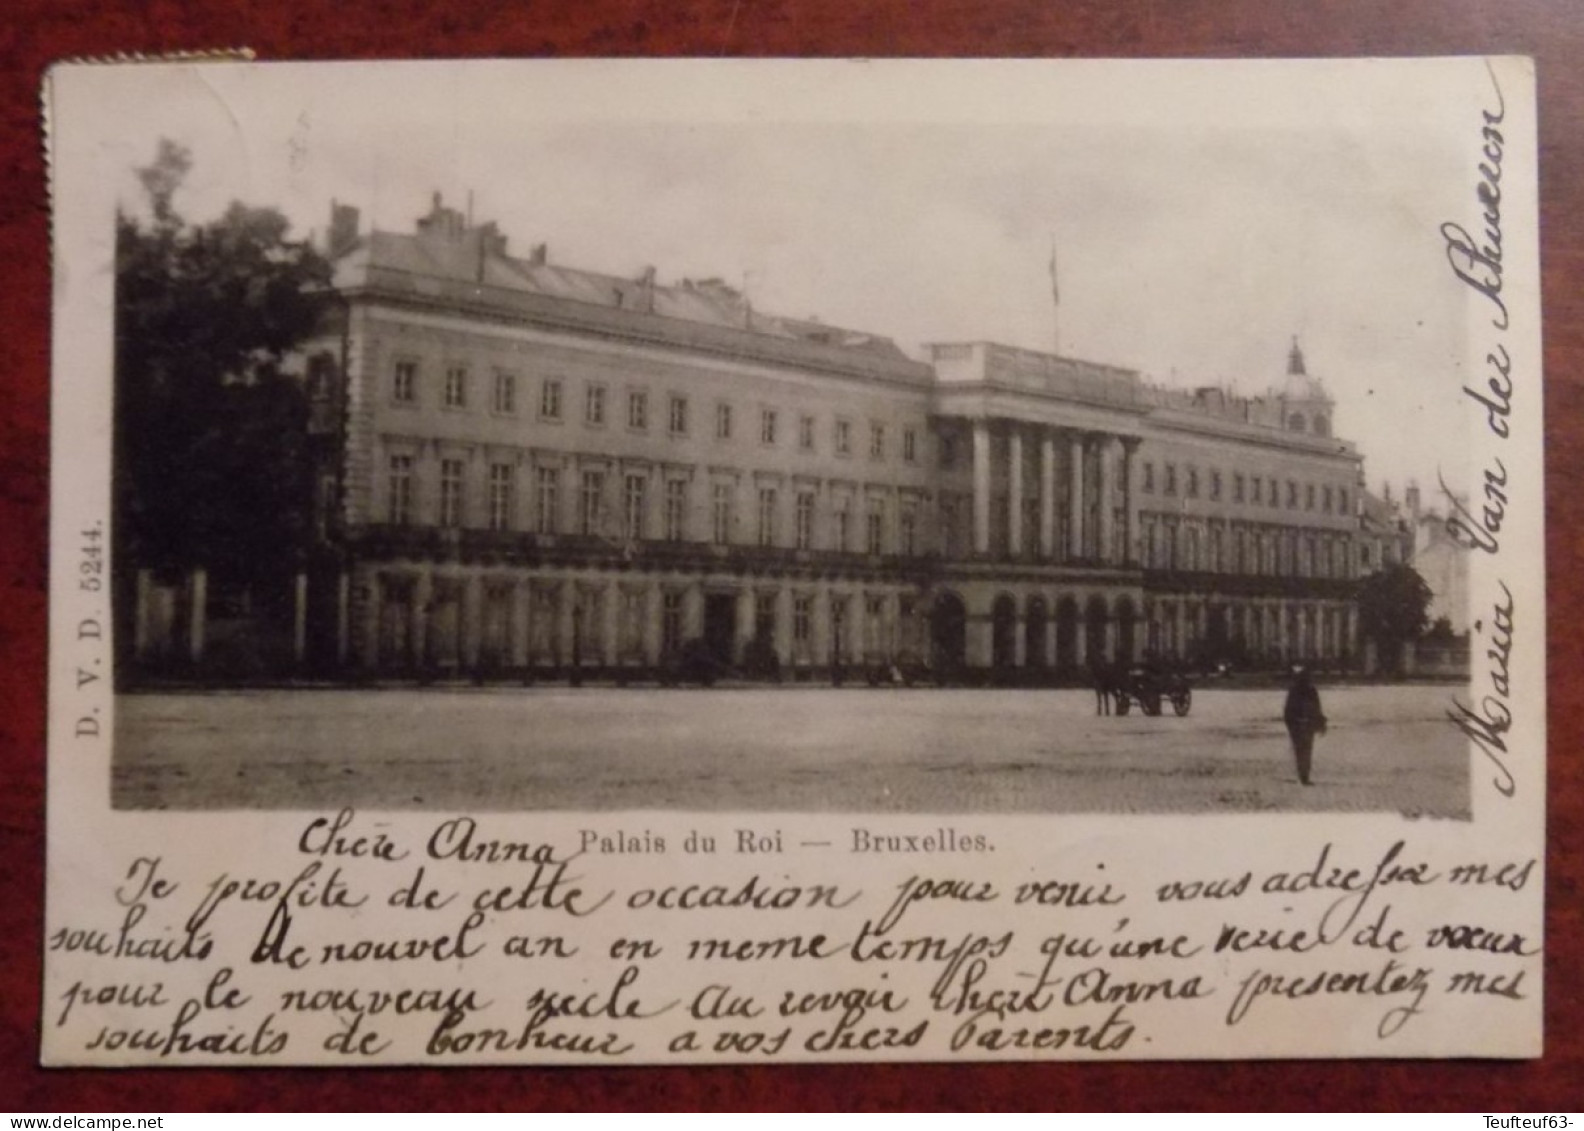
529	467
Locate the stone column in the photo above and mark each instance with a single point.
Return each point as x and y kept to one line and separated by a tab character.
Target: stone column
610	623
1180	631
569	507
745	622
418	636
1019	639
141	613
840	627
820	638
696	507
692	613
197	610
1130	494
1047	496
300	617
654	504
343	618
1105	457
857	616
980	643
1050	637
566	621
894	628
373	610
520	628
981	486
1015	493
1075	499
472	620
783	626
654	623
1081	638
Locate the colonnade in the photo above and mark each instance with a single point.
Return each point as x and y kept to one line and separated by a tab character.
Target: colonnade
468	618
1076	628
1265	629
1100	487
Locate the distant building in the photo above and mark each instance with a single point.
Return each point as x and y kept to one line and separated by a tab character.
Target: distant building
1441	561
1386	532
530	468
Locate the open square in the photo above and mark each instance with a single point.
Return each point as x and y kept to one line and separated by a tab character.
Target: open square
796	749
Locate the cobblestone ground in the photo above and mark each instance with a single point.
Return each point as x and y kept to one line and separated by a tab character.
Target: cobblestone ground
790	749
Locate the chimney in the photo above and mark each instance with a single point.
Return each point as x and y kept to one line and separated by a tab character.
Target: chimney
342	235
1411	498
493	239
538	255
489	243
646	284
442	222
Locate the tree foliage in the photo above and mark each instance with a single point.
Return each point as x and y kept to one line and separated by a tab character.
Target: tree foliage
212	461
1394	606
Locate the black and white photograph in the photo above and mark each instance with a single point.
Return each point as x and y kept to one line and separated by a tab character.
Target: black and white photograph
673	561
784	465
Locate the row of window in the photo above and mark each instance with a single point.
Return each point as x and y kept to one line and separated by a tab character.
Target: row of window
1273	553
596	409
1254	552
1252	489
632	523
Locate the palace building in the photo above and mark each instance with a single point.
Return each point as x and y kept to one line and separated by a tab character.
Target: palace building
530	468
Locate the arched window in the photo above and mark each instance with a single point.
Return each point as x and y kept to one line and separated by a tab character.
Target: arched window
1297	423
1322	424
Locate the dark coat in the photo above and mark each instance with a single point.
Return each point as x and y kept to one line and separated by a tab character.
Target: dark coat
1303	712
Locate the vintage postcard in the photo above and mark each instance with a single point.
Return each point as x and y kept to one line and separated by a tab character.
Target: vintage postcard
663	562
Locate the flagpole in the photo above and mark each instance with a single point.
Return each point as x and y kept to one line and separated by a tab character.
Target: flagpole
1055	299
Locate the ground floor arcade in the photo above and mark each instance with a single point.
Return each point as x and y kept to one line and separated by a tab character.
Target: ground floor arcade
465	619
1068	627
448	619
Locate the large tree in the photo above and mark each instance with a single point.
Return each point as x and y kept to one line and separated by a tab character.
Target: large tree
211	453
1394	608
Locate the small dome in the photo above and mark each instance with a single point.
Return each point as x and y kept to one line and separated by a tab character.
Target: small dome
1299	386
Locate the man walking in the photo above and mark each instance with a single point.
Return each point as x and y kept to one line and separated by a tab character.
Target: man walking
1105	683
1304	720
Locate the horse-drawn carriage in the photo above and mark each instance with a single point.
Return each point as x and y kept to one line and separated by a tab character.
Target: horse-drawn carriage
1151	689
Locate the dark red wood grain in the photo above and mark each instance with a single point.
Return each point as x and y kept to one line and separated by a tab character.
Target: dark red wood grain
35	32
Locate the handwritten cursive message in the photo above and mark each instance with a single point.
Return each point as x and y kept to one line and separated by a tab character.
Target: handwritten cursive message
1486	717
479	942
